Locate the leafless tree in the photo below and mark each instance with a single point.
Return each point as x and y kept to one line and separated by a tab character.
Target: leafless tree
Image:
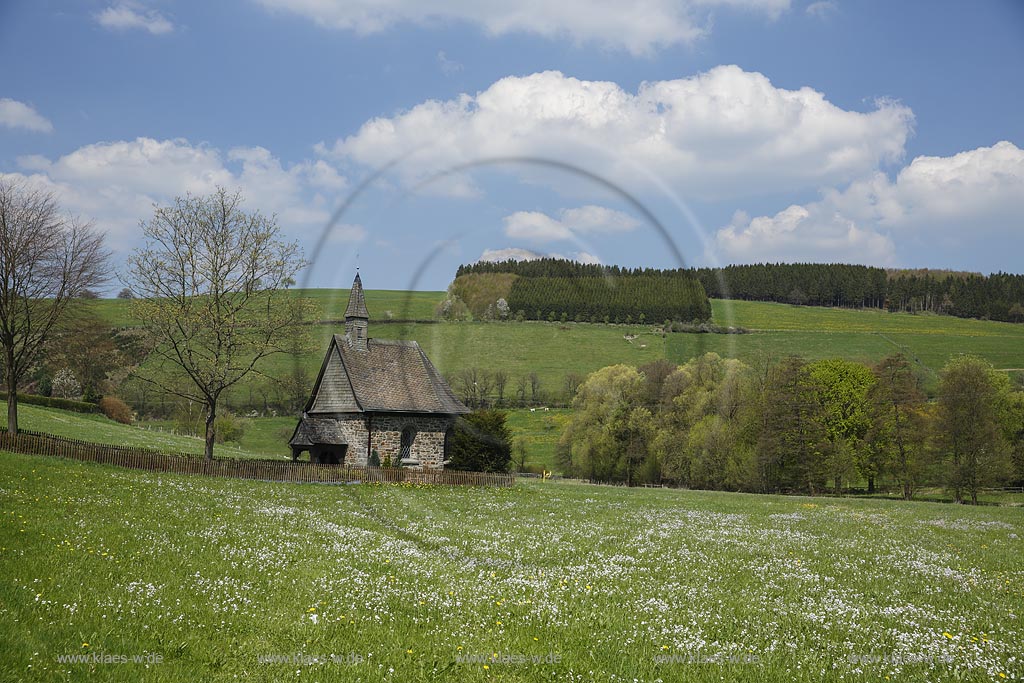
572	383
468	388
47	261
521	384
534	387
211	290
483	387
500	380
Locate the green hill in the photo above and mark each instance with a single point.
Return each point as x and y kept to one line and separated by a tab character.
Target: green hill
552	350
264	437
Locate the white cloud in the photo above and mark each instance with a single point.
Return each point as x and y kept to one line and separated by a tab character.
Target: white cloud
509	253
571	223
449	67
117	183
723	133
127	15
349	232
822	9
15	114
519	254
646	25
797	234
952	204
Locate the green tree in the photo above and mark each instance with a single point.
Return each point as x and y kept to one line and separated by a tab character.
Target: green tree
702	438
482	442
596	440
971	403
842	389
898	436
794	437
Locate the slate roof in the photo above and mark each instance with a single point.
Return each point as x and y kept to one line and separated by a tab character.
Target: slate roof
389	376
357	301
317	431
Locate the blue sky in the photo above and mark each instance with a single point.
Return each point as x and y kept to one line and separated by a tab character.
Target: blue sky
869	132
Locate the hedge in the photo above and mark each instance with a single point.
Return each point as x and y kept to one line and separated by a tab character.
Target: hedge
53	402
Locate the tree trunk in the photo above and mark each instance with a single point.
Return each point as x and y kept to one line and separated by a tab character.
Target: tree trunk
871	485
12	394
211	415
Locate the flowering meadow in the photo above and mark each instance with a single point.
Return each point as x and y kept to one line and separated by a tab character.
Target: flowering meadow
109	574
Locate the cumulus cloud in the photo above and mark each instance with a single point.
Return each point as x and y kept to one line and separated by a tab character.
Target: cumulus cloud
117	183
800	234
947	203
570	224
723	133
15	114
127	15
647	25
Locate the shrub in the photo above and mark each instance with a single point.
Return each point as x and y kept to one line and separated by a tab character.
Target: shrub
116	409
52	402
481	443
228	427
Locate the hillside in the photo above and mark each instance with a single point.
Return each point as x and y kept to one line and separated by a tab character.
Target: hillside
552	350
407	582
263	437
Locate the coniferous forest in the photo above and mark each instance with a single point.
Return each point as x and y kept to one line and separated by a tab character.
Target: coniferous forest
586	291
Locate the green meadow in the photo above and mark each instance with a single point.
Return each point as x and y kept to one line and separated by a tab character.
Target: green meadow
263	438
120	575
551	350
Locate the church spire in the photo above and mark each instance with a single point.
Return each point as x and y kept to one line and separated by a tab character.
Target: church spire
357	318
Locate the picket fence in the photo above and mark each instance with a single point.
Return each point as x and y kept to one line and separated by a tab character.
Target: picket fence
237	468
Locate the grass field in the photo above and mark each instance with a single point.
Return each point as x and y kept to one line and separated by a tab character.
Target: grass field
264	437
552	349
539	431
330	305
217	577
260	440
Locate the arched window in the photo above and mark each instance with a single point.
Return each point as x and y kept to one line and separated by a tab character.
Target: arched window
408	436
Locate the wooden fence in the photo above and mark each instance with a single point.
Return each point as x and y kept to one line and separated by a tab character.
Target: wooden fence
237	468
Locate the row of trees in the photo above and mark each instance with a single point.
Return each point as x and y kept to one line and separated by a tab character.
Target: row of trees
829	425
967	295
478	388
631	299
812	284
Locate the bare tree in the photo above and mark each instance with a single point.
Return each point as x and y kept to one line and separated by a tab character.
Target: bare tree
521	384
47	261
211	290
483	387
534	387
500	380
572	383
468	387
